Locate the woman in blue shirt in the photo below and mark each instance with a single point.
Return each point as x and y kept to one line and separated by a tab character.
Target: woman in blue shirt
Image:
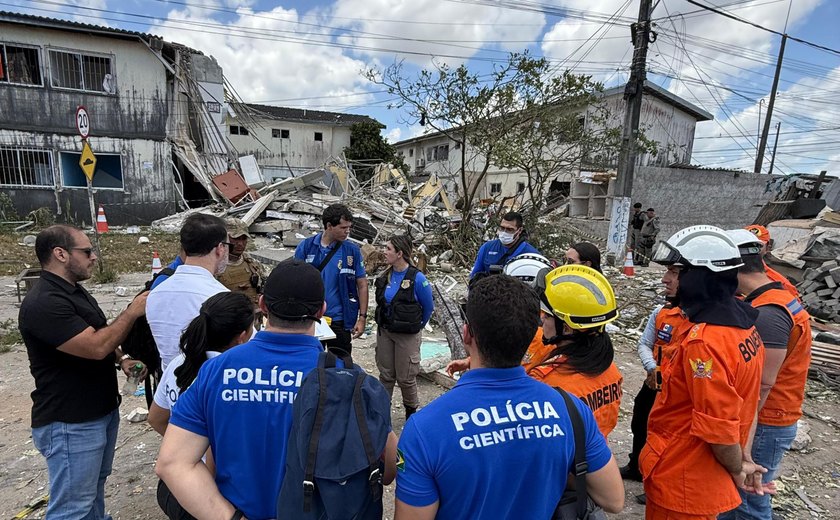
403	307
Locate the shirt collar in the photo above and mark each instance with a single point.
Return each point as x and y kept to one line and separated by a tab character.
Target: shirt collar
286	339
490	375
763	289
60	282
193	269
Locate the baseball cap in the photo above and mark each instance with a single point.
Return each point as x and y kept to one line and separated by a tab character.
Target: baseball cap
759	231
236	228
294	291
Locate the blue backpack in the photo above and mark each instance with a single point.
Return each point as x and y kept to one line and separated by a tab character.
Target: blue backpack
340	425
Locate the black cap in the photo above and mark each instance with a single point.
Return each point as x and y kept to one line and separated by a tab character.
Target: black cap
294	291
637	205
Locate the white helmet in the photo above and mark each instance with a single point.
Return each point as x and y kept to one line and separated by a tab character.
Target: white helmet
699	246
748	243
526	267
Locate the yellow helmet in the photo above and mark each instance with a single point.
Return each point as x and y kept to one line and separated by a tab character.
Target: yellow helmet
579	295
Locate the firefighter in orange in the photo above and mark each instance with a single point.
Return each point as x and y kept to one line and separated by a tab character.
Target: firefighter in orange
693	463
666	327
764	237
577	304
785	329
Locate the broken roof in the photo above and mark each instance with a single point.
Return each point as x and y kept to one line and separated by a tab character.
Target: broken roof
67	25
667	96
308	116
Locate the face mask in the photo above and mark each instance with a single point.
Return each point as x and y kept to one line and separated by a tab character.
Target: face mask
506	238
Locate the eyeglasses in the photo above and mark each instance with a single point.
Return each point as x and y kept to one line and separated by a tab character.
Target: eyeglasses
86	250
227	244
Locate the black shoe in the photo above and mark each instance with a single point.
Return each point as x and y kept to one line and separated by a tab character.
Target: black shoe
409	411
642	499
630	473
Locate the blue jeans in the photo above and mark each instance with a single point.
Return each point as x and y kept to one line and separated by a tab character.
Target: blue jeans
769	445
79	459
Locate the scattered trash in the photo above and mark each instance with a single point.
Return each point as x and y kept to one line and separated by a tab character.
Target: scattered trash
132	230
802	439
120	291
143	240
29	240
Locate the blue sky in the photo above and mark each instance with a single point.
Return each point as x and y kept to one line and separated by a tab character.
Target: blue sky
311	54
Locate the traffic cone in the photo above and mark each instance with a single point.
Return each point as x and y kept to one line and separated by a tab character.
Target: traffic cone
629	270
156	267
101	221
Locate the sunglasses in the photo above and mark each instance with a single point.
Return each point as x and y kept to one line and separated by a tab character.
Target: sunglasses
227	244
86	250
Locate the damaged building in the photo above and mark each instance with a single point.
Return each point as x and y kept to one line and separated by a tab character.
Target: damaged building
667	120
156	116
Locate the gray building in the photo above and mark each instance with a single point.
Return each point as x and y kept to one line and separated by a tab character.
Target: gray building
156	141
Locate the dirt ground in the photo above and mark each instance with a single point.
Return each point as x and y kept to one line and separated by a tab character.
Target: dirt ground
131	487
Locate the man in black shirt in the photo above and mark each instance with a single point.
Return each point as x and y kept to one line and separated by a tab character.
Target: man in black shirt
637	220
72	352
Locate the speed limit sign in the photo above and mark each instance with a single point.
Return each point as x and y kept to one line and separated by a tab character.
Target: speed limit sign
82	122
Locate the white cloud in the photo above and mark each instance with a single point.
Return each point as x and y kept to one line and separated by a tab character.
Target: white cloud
265	60
394	135
449	28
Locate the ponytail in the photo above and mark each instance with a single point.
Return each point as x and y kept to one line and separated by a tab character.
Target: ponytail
221	319
589	353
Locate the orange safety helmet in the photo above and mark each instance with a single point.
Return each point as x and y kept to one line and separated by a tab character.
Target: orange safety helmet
760	232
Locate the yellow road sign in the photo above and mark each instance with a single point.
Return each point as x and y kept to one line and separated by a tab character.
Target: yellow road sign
88	161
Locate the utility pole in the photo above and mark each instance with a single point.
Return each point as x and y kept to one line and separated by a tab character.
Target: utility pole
762	144
775	145
620	213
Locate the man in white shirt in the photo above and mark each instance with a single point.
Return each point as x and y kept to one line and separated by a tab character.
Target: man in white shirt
178	299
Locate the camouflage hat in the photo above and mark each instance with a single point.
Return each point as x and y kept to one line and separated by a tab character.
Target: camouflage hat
236	228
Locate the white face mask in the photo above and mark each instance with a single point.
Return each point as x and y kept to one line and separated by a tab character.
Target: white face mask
506	238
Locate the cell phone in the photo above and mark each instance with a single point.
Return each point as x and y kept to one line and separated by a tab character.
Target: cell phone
658	377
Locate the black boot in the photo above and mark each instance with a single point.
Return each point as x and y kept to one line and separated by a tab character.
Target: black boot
409	411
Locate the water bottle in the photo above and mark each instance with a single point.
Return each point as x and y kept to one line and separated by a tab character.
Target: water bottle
133	380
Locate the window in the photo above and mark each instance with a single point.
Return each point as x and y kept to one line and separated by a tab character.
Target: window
442	152
430	152
238	130
411	152
495	188
20	65
279	134
26	167
79	71
108	172
520	187
319	136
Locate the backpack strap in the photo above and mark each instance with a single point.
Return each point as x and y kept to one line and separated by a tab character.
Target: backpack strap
325	360
375	477
331	254
581	465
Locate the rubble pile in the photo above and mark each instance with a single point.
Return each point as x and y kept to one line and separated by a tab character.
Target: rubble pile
820	290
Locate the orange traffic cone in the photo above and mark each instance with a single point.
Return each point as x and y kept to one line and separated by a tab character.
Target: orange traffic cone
156	267
101	221
629	270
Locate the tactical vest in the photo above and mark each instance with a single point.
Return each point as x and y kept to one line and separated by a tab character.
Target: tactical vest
239	278
784	404
404	314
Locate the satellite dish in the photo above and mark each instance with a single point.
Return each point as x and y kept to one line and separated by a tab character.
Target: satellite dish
109	84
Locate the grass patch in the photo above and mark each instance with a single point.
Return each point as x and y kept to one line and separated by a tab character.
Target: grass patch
9	335
121	253
106	275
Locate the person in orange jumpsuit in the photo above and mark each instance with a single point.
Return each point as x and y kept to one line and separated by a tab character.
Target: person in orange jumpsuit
578	302
666	327
693	462
763	235
785	329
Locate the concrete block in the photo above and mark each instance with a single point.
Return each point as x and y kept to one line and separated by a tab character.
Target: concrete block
810	274
829	282
836	293
274	226
824	292
835	273
810	298
137	415
829	264
807	286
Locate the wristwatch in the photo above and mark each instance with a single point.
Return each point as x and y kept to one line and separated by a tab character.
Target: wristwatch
237	514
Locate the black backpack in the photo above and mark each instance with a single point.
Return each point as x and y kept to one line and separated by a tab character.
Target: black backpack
341	421
140	344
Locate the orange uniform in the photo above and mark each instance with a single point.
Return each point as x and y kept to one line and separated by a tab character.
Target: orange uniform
602	392
776	276
671	327
784	404
537	351
709	395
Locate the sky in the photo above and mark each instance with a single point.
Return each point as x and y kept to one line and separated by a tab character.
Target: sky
313	54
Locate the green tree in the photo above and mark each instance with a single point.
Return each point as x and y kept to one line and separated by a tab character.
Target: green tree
368	149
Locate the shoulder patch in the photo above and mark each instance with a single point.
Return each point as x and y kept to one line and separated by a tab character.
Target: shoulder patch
400	460
702	369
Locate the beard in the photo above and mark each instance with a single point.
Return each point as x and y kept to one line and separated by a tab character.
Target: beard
223	263
78	270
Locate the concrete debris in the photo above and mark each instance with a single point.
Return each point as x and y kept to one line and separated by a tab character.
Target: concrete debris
803	437
137	415
819	290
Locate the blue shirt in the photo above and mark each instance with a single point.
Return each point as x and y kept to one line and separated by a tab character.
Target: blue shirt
498	445
347	261
174	265
242	402
422	291
493	251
